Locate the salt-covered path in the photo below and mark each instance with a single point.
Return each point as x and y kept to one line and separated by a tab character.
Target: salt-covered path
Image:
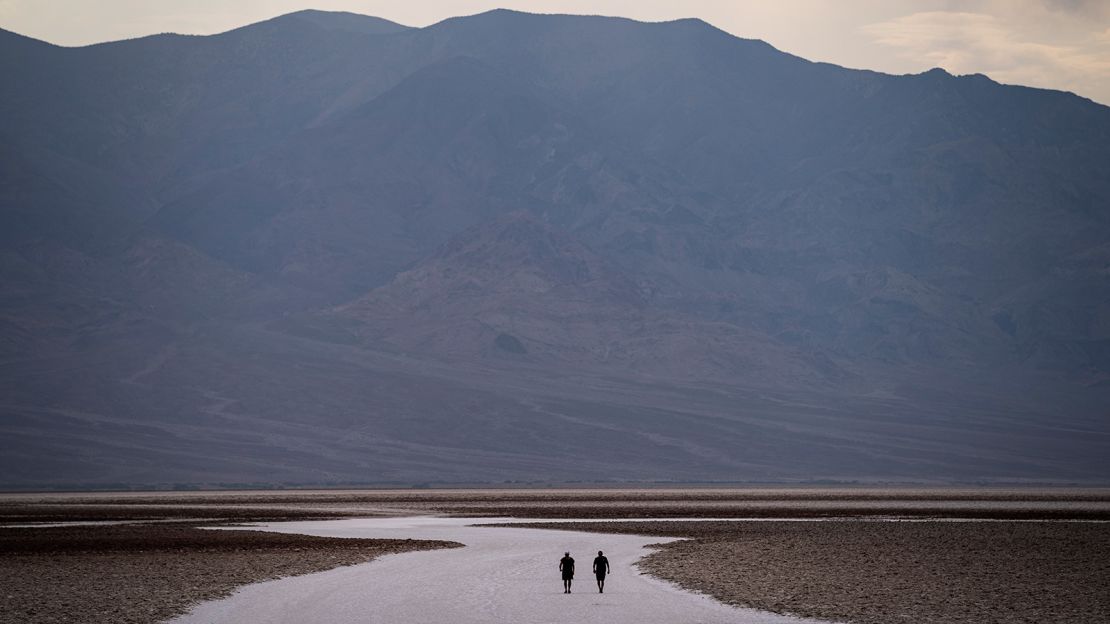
502	575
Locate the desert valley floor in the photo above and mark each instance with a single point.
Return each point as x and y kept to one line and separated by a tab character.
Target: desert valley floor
865	555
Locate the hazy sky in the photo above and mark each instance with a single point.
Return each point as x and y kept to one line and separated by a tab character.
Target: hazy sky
1062	44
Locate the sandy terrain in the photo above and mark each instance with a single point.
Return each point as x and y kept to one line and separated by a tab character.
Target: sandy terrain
882	572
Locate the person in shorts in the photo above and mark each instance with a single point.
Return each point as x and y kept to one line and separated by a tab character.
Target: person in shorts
601	568
566	566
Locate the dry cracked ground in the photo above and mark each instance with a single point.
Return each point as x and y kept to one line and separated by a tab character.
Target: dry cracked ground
1044	556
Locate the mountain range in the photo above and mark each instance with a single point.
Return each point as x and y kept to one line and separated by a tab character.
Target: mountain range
332	249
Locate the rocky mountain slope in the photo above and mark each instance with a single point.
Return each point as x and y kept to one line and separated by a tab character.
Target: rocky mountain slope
329	248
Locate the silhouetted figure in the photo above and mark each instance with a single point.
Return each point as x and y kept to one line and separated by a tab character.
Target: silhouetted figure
566	566
601	568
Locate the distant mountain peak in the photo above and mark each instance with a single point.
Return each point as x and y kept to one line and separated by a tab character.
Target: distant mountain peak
9	39
344	21
938	72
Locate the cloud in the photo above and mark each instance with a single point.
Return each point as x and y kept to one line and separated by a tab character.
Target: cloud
1086	8
964	43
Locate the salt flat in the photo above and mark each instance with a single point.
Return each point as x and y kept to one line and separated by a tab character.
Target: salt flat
503	574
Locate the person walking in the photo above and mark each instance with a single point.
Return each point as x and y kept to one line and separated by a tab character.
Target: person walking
601	568
566	566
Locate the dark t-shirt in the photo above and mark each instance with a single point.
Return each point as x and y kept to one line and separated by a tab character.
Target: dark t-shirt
601	565
566	564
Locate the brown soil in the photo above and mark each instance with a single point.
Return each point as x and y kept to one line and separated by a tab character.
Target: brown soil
147	573
864	572
776	502
883	572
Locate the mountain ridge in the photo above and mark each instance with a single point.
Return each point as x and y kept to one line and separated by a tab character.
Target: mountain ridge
393	255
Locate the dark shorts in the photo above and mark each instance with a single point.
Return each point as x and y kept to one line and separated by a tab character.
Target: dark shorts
600	575
568	576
